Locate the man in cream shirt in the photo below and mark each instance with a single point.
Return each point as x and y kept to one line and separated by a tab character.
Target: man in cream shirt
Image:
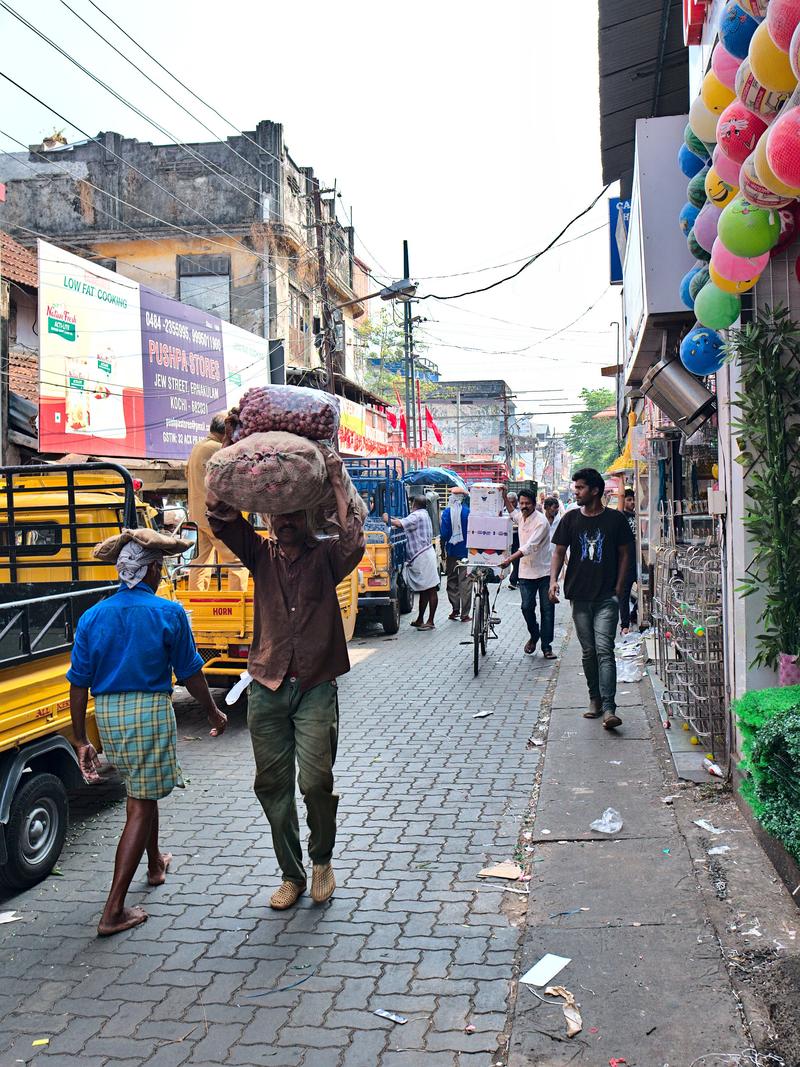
534	571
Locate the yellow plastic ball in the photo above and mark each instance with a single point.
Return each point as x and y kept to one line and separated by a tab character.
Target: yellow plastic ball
716	96
765	174
720	193
769	64
715	470
703	122
730	287
685	726
695	740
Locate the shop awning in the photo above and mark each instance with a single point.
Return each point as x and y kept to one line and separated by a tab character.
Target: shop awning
644	72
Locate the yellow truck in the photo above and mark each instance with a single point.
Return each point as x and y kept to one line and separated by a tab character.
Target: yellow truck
222	618
50	519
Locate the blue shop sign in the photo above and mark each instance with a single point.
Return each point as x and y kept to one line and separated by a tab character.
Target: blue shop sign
619	211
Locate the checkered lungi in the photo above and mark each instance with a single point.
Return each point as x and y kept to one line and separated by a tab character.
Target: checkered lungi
140	738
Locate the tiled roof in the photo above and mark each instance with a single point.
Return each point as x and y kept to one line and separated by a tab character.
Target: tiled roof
17	263
23	373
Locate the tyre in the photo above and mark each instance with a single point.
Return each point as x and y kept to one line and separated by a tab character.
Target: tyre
477	631
390	617
485	615
405	596
36	830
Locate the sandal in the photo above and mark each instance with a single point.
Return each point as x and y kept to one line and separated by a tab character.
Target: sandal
612	722
550	654
453	616
592	714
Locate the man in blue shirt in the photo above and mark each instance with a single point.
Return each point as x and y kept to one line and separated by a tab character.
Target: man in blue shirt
453	536
126	650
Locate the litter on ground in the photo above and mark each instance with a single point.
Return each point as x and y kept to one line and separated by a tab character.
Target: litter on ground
502	870
545	970
571	1012
392	1016
610	822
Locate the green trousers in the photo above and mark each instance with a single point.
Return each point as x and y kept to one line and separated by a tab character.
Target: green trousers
286	725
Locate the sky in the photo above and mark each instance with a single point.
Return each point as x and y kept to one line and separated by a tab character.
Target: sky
471	130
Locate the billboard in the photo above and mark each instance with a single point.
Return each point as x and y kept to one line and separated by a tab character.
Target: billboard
125	371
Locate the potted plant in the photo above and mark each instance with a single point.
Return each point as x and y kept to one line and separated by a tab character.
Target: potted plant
768	431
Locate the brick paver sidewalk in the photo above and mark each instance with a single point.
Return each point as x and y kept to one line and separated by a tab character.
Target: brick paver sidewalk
429	795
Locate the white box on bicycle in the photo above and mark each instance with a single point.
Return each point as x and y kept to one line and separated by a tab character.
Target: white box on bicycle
486	498
485	557
489	532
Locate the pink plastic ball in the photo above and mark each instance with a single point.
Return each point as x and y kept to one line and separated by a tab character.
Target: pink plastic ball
736	268
783	18
727	169
783	147
738	131
705	226
725	66
755	192
789	228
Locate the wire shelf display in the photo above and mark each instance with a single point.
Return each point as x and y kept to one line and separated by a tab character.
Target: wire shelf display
687	616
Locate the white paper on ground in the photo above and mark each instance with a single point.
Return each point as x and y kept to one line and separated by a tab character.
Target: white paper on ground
546	969
9	917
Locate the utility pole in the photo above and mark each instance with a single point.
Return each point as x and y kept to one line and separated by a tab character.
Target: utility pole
505	432
411	415
319	229
458	424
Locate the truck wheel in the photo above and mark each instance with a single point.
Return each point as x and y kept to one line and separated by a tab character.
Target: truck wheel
406	597
36	830
390	617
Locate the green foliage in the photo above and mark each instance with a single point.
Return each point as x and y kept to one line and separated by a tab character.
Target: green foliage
382	340
768	429
593	442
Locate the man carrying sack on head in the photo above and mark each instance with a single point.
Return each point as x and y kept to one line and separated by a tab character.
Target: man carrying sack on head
298	651
126	650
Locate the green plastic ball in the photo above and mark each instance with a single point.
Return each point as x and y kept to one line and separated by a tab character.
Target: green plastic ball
696	189
697	283
746	230
694	144
716	309
696	249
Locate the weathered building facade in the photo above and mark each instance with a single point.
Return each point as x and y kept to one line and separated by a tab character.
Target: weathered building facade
230	227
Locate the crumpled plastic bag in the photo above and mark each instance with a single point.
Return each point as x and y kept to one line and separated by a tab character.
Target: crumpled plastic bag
630	654
610	822
571	1012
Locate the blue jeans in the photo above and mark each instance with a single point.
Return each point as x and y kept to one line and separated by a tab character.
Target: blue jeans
530	589
596	627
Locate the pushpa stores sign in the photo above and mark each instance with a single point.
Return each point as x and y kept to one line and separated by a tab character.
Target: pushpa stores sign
694	17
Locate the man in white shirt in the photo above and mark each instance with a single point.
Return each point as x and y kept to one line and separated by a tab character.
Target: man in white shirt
534	571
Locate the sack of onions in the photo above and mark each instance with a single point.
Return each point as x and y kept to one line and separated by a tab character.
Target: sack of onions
288	409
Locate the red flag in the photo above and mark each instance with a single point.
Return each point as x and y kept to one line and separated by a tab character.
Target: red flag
391	418
403	426
432	425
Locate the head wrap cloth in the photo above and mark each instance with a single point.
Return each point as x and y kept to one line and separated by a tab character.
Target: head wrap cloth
133	561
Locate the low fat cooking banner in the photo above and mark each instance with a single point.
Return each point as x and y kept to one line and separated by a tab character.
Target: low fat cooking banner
126	371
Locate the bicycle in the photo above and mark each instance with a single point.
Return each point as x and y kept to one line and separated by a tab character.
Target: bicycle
484	619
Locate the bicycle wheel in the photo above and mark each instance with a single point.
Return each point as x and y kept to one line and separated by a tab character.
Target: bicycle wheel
478	624
485	618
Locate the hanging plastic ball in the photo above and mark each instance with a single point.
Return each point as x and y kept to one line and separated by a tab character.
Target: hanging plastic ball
727	286
727	169
756	193
702	351
750	92
736	28
765	174
695	740
736	268
794	53
696	250
705	225
747	230
715	308
715	95
769	64
719	192
738	131
689	162
686	218
783	147
783	18
699	631
700	279
714	470
724	65
756	8
696	189
686	297
694	144
685	726
702	121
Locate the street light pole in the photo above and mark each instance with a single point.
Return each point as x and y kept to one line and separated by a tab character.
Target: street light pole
411	422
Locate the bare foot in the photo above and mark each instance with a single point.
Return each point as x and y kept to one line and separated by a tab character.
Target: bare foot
158	875
125	920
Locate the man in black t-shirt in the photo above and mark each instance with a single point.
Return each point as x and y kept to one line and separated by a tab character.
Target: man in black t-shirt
599	541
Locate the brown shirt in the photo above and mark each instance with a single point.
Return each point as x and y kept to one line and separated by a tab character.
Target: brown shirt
196	478
297	620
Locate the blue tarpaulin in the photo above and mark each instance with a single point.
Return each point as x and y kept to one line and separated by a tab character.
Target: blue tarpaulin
435	476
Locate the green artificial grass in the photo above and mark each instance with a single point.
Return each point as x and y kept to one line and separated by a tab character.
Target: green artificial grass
769	720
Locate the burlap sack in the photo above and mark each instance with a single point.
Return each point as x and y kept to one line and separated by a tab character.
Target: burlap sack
168	544
269	473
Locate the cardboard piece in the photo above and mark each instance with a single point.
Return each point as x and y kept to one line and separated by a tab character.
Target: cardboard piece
502	870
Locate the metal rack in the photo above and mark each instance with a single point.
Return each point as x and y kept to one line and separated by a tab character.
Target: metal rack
687	616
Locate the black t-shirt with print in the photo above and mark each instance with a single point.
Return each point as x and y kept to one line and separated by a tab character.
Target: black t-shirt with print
593	542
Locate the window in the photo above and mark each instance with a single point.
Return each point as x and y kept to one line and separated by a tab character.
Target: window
299	310
44	539
204	282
